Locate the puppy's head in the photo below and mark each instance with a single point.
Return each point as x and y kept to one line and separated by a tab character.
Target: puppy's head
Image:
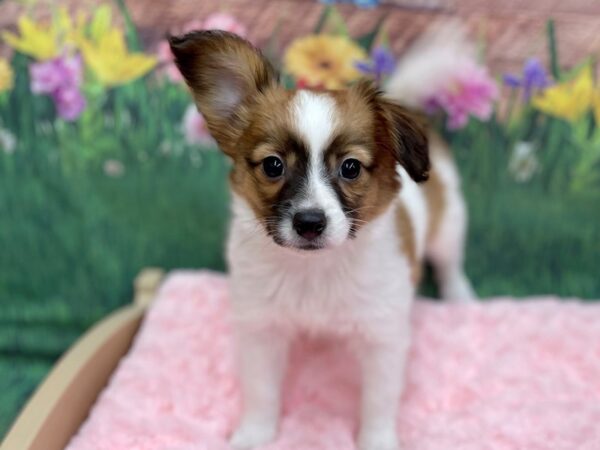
313	166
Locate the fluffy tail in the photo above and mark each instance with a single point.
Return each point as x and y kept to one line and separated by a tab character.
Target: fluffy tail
427	63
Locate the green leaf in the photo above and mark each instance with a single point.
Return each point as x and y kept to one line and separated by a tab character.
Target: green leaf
554	64
288	81
575	70
332	22
323	19
367	40
133	40
101	22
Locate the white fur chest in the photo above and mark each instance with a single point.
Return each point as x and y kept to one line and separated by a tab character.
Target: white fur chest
363	284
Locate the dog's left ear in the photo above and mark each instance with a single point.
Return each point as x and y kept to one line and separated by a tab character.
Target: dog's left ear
224	73
409	139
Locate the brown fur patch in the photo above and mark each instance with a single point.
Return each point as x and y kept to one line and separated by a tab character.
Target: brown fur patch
434	188
376	132
436	202
267	133
408	244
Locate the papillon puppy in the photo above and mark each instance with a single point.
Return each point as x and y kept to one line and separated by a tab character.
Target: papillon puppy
329	228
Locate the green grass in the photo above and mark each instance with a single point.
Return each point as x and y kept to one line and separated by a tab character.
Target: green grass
524	243
534	237
71	246
86	235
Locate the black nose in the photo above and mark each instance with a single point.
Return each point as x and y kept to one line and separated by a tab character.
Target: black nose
310	223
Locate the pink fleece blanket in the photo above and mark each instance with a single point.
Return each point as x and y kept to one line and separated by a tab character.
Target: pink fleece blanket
492	376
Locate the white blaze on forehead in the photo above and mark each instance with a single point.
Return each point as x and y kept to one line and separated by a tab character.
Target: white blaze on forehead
315	117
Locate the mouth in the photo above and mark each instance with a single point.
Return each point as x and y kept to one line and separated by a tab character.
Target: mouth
303	245
309	246
300	244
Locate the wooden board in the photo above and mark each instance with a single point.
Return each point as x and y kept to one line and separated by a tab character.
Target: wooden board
62	402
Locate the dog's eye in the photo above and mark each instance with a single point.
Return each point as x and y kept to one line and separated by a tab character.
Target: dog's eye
350	169
273	166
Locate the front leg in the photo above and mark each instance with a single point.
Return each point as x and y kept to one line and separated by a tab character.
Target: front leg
262	361
382	365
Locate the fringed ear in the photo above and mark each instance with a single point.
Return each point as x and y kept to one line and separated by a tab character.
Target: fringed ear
409	136
224	72
398	130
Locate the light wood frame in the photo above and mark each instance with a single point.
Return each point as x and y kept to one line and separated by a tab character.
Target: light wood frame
62	402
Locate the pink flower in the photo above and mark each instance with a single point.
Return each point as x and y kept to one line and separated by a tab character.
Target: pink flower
192	25
215	21
195	129
69	102
166	59
48	76
225	22
470	91
61	78
439	72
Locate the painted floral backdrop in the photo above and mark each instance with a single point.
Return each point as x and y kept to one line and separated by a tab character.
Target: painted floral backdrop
106	166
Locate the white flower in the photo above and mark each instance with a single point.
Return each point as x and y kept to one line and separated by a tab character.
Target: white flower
165	148
523	163
8	142
113	168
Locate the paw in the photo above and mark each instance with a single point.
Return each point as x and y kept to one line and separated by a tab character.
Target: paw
378	440
250	435
458	290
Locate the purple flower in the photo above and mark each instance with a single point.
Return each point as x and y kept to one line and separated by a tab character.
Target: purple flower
534	78
511	80
69	102
61	78
382	63
48	76
359	3
45	78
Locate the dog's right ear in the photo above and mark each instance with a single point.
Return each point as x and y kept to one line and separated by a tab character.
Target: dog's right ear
224	73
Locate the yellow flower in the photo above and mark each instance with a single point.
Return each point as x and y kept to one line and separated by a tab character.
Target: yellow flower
35	39
107	56
6	76
596	105
46	41
69	32
324	60
569	100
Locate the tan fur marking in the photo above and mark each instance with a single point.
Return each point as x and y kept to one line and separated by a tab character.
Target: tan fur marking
436	202
269	119
434	188
262	151
408	244
362	120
